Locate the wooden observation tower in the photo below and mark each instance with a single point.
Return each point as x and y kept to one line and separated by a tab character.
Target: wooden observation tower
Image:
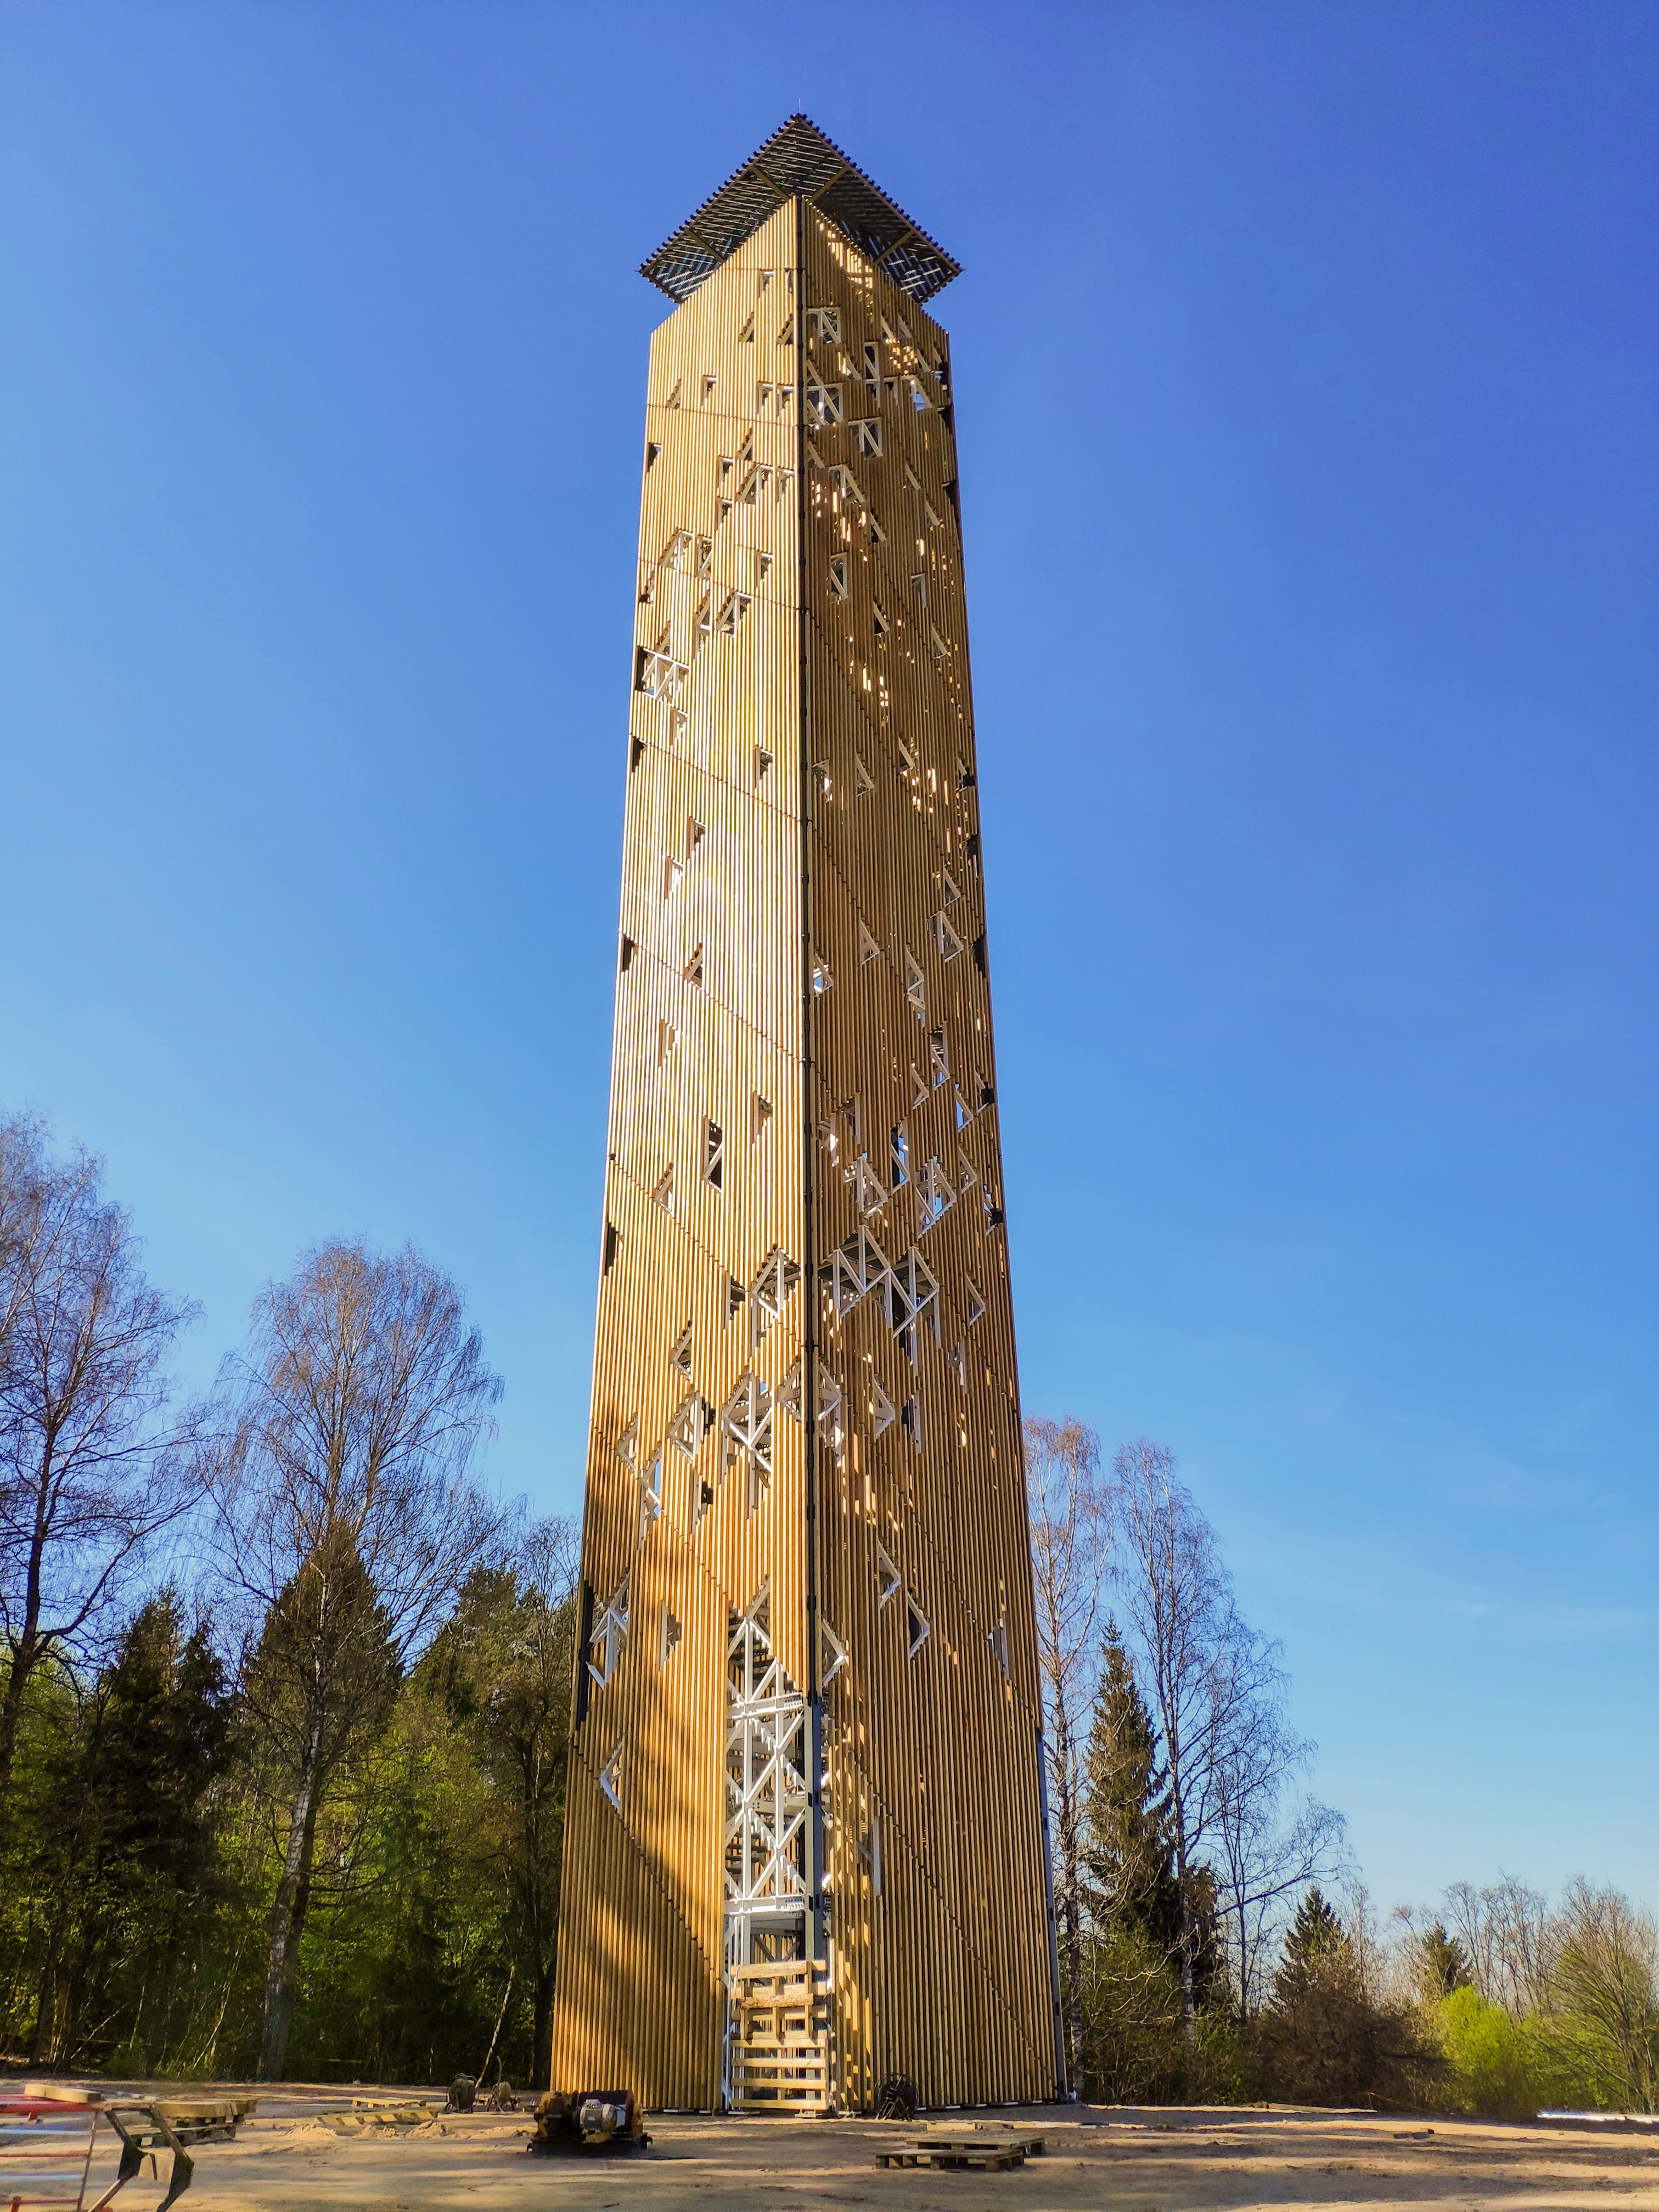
805	1847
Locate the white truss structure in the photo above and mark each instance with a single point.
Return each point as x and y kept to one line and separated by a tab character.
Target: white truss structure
936	1194
853	1270
869	1194
609	1634
768	1799
689	1424
746	1421
769	1291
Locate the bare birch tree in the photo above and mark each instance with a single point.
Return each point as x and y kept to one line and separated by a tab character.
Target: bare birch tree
1178	1597
1508	1939
1070	1547
347	1519
1605	1981
92	1470
1260	1858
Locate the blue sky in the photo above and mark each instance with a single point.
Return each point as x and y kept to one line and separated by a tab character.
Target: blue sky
1305	363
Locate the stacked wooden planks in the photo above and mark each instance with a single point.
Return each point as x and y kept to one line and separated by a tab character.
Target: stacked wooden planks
780	2039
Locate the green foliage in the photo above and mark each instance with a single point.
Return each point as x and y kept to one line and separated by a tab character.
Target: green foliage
1494	2065
1127	1854
1327	2038
150	1807
1441	1963
1136	2047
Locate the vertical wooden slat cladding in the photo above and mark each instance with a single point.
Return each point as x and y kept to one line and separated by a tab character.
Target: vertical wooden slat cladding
803	967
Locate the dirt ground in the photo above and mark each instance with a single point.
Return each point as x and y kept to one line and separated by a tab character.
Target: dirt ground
1129	2160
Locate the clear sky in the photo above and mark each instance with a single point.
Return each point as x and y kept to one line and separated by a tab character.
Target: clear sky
1306	390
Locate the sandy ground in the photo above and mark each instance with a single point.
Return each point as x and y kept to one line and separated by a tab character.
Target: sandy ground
1133	2160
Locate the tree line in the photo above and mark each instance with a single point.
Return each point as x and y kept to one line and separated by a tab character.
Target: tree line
1199	1956
285	1715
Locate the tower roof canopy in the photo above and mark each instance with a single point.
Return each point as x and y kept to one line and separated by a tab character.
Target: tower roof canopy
798	158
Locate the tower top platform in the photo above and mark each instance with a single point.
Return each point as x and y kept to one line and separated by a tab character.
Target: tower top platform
798	158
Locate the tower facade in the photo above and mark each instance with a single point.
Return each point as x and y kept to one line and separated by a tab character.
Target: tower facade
807	1712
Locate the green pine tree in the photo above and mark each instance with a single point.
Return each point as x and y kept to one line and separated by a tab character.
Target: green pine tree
1316	1934
1443	1964
1127	1853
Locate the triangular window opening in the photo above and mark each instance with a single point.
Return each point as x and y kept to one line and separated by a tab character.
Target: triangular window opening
610	1779
669	1642
663	1195
689	1424
671	872
918	1089
883	1412
693	970
714	1154
822	979
880	619
963	1115
938	1195
888	1577
628	1445
735	1296
772	1287
789	1397
939	1054
915	988
746	335
901	1157
673	399
667	1037
863	783
832	1654
650	1494
949	943
759	1113
693	835
975	1304
610	1633
868	1195
680	1357
949	893
916	1630
868	948
763	761
838	577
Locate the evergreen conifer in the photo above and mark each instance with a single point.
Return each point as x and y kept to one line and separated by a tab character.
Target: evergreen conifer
1127	1854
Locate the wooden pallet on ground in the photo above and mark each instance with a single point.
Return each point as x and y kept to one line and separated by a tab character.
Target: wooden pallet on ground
780	2059
985	2150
